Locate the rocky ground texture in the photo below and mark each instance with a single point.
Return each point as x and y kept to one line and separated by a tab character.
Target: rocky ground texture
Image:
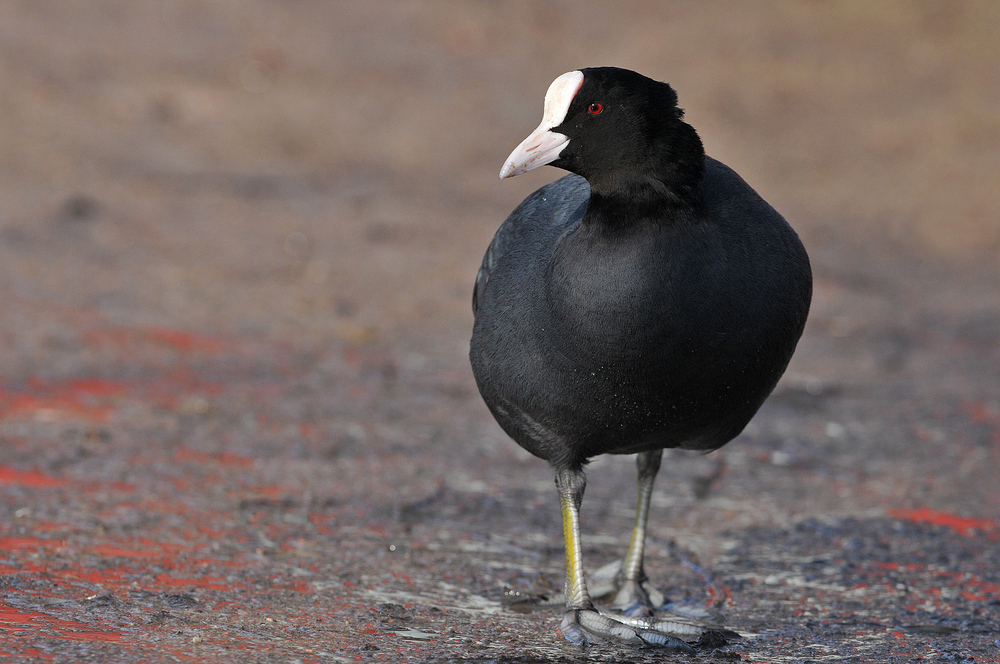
237	246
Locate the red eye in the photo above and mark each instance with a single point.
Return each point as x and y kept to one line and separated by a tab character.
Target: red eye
595	108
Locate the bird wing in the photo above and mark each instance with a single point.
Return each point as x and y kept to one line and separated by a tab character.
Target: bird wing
554	206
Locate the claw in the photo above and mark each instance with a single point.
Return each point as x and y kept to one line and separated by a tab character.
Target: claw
677	626
571	630
579	624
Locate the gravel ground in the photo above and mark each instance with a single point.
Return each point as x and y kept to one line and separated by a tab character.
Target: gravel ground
238	242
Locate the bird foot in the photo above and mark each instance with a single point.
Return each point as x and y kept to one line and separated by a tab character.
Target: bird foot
580	626
633	600
637	599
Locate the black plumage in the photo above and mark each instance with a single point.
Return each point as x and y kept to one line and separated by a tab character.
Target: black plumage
651	300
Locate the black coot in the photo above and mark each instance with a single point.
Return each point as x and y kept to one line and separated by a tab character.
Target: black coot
652	300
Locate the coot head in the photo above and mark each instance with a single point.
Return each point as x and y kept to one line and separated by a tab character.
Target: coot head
614	127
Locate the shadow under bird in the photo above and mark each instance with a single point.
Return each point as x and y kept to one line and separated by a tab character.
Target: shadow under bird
649	300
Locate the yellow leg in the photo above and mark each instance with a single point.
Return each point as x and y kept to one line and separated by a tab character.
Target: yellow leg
571	484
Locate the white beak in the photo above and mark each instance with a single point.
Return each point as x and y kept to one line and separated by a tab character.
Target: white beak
541	147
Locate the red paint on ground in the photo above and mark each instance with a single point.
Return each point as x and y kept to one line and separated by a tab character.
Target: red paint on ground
74	400
181	340
982	413
273	492
208	582
225	458
30	478
991	590
18	620
159	336
101	577
117	552
123	487
72	572
33	543
94	386
48	526
963	525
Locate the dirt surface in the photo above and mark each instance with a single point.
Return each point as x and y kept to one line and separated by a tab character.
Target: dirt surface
237	421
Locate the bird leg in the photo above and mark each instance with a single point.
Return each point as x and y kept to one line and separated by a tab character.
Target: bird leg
632	598
571	484
582	621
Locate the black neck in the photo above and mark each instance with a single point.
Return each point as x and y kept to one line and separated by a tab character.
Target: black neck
667	186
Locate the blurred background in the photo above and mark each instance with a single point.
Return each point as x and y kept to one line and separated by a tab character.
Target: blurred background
238	242
308	169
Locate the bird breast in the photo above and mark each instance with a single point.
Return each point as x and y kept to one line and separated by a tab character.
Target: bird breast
612	298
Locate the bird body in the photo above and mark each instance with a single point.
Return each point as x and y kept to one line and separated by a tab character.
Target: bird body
664	333
652	300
